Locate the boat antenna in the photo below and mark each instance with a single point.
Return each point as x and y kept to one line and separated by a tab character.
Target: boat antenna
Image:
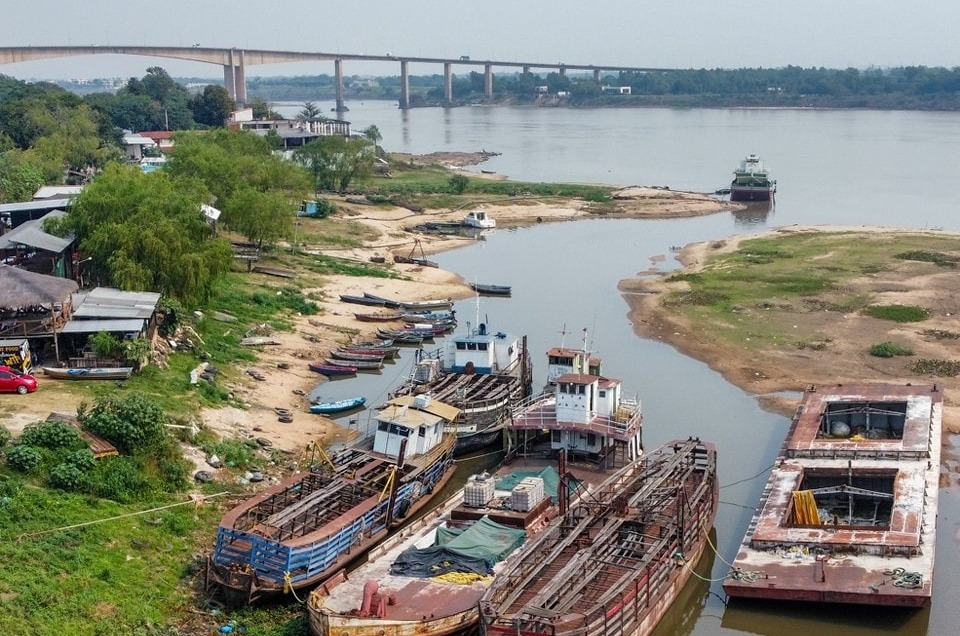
477	323
586	354
563	334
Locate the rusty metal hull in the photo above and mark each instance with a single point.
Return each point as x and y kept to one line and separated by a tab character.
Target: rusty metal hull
891	466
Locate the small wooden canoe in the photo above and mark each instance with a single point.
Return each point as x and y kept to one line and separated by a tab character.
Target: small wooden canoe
491	290
356	365
337	406
332	369
379	316
93	373
362	300
385	352
341	354
386	302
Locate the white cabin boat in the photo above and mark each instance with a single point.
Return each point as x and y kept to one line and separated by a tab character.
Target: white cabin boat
480	219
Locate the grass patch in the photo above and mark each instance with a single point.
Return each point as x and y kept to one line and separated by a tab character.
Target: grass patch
889	350
937	258
928	366
332	265
898	313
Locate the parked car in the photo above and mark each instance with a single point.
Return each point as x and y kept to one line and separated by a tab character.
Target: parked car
12	381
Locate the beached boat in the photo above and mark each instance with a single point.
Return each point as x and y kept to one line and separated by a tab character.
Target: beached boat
413	259
429	317
92	373
332	369
434	304
615	560
386	302
849	513
297	533
379	316
402	337
480	371
362	300
384	352
751	181
357	356
337	406
429	579
491	290
480	219
356	365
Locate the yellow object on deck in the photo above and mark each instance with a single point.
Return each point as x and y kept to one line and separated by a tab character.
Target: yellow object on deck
805	511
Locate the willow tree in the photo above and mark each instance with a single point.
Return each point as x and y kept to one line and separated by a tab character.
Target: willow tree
147	232
257	191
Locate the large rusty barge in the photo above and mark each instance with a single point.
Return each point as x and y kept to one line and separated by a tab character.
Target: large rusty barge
615	561
849	512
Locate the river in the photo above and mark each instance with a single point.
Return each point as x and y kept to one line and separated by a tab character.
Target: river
846	168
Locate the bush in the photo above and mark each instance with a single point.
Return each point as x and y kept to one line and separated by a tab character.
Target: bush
118	478
5	437
106	345
889	350
23	458
133	423
83	460
52	434
458	183
66	477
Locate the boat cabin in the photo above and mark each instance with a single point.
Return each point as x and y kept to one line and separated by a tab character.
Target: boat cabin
561	361
479	218
481	351
418	420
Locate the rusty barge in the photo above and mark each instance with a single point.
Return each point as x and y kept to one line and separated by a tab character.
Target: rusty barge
849	512
613	563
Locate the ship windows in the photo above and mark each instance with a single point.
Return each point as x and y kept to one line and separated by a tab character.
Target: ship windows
481	346
461	346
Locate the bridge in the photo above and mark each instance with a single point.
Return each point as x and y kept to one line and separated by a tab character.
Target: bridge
235	61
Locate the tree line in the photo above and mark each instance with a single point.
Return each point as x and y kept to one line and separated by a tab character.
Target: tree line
909	87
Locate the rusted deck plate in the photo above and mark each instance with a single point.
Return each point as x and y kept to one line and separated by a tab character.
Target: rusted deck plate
849	564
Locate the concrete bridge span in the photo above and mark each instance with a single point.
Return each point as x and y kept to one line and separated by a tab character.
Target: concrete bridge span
234	62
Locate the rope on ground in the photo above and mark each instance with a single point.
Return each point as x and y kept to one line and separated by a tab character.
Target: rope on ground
196	500
288	587
903	578
473	457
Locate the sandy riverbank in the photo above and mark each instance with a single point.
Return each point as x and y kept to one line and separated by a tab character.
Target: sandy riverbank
850	336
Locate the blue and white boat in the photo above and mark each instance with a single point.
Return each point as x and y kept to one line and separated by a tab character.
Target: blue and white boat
337	406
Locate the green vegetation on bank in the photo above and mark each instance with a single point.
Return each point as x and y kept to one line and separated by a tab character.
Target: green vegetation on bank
758	295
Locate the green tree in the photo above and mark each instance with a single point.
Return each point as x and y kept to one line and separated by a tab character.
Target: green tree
213	106
261	110
262	217
309	111
334	162
458	183
146	232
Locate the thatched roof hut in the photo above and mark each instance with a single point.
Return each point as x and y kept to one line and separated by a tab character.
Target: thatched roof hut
21	290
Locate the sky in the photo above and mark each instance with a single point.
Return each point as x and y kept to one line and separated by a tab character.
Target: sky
646	33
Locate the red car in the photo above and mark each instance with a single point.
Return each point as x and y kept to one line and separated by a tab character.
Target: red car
12	381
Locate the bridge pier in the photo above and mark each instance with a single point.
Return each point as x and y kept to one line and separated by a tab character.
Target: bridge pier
596	75
563	71
488	81
234	77
448	83
338	75
404	85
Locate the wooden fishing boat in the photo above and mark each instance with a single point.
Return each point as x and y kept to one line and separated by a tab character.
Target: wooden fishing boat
491	290
337	406
362	300
300	531
332	369
371	344
433	317
356	365
386	302
92	373
384	352
400	336
379	316
619	557
368	356
412	257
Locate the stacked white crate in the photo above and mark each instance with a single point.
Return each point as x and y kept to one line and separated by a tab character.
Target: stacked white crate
478	491
527	494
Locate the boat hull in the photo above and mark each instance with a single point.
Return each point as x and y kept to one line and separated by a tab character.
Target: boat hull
96	373
751	194
322	624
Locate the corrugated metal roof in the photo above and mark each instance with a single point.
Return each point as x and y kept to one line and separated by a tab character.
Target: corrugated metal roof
95	310
434	407
113	296
31	234
110	326
47	204
47	192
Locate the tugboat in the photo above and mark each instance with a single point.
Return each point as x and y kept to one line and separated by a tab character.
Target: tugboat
752	182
